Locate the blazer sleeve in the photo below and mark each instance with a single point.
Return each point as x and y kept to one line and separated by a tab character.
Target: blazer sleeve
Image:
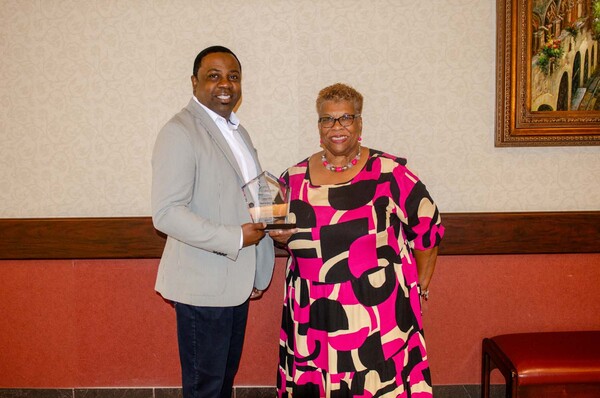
173	181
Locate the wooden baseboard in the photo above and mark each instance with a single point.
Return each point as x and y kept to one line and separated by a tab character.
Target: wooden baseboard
135	237
446	391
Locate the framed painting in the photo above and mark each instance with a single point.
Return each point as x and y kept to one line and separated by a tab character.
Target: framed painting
548	73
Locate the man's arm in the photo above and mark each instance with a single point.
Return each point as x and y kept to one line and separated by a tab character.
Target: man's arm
173	179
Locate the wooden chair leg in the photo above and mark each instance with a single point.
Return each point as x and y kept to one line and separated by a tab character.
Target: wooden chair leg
485	371
512	390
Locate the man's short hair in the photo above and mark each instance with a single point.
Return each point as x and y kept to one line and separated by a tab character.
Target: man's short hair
211	50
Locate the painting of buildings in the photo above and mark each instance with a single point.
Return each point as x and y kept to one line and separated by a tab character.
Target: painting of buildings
564	55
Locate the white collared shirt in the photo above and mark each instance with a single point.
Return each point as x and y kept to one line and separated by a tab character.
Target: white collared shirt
237	145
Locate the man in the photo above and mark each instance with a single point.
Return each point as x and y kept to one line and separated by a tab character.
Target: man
215	258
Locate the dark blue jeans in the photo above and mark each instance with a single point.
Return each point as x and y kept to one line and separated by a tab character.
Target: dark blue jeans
210	346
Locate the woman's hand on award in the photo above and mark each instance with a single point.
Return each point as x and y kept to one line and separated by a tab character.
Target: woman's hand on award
282	236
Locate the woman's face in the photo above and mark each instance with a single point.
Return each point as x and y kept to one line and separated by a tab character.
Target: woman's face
339	140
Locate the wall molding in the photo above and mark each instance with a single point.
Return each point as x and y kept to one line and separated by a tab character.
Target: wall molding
135	237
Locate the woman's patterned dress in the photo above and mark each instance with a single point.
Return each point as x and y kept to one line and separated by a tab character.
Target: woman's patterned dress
351	323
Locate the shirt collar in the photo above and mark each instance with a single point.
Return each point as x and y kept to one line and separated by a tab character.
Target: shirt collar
233	121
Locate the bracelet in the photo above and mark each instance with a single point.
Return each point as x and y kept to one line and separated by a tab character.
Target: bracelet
424	294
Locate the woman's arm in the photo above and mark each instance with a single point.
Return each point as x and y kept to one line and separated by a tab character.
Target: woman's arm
425	266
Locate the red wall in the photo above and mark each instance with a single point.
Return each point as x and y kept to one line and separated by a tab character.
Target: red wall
98	323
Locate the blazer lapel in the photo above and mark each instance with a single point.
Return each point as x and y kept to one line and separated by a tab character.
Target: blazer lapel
216	135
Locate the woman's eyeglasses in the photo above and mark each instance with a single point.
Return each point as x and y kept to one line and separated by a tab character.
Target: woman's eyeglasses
345	120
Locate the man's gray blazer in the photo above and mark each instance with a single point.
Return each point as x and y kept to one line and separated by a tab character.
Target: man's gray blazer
198	203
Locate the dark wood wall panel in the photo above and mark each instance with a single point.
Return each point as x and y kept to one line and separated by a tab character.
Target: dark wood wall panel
521	233
135	237
59	238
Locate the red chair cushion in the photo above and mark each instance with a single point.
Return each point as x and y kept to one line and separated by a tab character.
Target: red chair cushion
553	357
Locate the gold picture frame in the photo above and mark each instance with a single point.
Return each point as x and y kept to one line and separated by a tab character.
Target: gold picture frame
524	29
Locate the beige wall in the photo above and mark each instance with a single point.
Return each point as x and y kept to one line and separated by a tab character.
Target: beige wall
86	85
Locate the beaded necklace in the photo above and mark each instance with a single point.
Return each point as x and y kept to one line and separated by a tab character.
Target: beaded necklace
339	169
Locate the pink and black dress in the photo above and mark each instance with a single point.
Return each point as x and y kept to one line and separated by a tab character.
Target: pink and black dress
351	322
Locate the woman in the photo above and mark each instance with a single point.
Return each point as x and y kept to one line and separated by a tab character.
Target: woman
360	262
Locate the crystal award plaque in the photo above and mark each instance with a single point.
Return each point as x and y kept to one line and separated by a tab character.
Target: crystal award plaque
268	201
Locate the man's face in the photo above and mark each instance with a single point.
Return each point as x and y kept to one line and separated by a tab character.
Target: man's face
218	85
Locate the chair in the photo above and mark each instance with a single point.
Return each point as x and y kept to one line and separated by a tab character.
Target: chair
545	364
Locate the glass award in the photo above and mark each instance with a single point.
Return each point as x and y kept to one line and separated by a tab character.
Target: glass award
268	201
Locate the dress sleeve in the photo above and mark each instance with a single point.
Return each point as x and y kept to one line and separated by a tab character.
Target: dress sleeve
421	220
